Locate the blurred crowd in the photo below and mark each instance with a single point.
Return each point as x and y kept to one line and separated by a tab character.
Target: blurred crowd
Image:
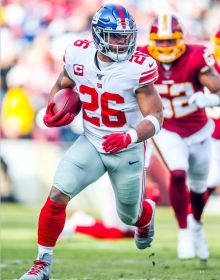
34	35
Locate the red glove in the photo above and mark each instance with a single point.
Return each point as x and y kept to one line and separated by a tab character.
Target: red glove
58	119
116	142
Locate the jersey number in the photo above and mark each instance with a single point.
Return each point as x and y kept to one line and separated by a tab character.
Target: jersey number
82	43
138	57
178	105
109	117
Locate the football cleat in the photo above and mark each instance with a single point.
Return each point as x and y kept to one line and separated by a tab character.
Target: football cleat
185	245
198	235
144	236
40	270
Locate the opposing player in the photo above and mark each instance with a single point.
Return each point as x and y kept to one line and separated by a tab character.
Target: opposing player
184	141
121	109
214	174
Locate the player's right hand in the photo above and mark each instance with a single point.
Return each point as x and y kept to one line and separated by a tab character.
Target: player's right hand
116	142
55	120
202	100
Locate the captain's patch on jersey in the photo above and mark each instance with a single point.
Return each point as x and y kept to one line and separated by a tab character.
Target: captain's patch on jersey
78	69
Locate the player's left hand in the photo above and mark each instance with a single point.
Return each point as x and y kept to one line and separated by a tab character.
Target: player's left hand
116	142
202	100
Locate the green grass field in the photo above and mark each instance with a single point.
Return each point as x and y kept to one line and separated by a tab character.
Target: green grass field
84	258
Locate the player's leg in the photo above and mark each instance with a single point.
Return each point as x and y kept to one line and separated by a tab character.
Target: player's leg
127	175
214	174
109	225
174	153
80	166
107	207
198	174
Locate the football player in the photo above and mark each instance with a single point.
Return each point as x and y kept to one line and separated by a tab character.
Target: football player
184	141
214	174
121	109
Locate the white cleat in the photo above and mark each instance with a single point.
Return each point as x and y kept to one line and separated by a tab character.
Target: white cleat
185	246
200	244
144	236
40	269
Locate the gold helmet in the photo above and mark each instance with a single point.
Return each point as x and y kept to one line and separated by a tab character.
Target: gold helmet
216	44
166	28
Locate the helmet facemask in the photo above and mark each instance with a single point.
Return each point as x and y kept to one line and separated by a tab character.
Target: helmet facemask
108	45
114	32
167	54
216	45
166	28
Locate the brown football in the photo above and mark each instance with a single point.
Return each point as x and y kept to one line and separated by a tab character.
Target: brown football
68	100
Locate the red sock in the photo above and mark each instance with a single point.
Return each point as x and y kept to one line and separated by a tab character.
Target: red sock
51	223
209	191
146	215
179	196
99	230
198	202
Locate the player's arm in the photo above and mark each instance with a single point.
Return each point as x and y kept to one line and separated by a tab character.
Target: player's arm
62	82
151	107
58	119
209	78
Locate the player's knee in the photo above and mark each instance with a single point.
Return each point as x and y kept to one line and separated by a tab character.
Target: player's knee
197	186
178	177
59	197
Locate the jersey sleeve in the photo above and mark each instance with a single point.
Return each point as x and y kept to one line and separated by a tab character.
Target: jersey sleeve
147	74
203	58
68	59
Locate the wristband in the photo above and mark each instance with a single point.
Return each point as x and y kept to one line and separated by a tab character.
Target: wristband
154	122
134	137
214	100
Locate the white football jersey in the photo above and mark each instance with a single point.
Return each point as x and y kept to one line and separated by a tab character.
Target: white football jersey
108	95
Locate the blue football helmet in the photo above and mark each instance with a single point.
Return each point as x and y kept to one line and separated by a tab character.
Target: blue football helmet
114	32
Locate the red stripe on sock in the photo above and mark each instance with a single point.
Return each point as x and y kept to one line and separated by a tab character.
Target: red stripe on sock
146	215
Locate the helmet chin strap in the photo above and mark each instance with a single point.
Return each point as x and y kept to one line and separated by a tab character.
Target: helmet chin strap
117	57
167	66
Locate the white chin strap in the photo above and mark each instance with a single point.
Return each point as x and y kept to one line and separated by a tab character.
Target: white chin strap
117	56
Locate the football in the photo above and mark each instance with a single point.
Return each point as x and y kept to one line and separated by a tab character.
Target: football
68	100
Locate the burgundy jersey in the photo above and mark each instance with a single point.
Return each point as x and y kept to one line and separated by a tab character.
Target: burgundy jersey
176	84
216	133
